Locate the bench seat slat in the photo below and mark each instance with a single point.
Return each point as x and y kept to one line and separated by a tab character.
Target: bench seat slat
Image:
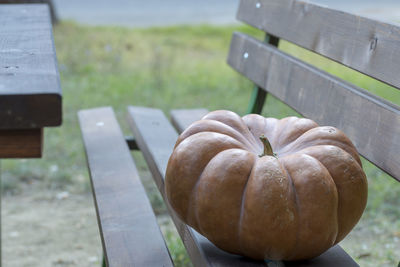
128	227
182	118
369	46
156	138
324	98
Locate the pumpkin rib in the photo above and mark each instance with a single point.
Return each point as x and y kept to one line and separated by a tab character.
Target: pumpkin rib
203	127
298	136
251	119
193	199
273	131
275	128
292	150
193	139
286	148
194	192
201	132
337	192
229	117
287	122
299	253
242	205
341	228
254	145
296	201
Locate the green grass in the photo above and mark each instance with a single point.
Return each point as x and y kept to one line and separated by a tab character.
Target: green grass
181	67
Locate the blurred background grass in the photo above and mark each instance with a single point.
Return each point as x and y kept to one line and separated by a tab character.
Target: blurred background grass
181	67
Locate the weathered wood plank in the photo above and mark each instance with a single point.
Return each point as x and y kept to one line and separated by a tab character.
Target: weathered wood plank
372	123
128	227
21	143
334	257
369	46
156	138
182	118
53	12
258	96
30	92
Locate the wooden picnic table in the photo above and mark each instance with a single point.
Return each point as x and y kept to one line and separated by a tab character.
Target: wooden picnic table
30	91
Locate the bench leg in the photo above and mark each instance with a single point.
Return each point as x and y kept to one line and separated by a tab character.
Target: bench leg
257	100
0	215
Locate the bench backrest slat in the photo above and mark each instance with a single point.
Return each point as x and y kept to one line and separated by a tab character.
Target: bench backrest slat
366	45
323	98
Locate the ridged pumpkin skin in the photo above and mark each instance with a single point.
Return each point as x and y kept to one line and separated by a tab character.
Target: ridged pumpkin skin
289	207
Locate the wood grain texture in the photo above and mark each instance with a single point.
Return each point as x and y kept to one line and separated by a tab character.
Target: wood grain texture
30	92
128	227
258	96
372	123
369	46
182	118
156	138
53	12
334	257
21	143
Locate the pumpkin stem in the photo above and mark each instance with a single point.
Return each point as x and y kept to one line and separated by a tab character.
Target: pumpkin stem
267	147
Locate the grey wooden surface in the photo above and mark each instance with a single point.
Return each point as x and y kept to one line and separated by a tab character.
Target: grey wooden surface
369	46
128	226
373	124
30	92
182	118
156	138
53	13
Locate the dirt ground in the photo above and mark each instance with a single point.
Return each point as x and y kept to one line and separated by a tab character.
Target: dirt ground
49	229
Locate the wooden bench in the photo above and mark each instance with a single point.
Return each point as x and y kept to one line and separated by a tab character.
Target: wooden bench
128	227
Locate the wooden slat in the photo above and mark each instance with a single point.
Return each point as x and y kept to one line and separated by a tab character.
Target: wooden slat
53	12
259	95
373	124
30	92
21	143
127	224
334	257
156	138
182	118
369	46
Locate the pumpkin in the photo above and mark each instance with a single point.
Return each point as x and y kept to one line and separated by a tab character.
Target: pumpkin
266	188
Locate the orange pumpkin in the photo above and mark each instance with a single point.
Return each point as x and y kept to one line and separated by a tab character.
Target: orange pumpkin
289	195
